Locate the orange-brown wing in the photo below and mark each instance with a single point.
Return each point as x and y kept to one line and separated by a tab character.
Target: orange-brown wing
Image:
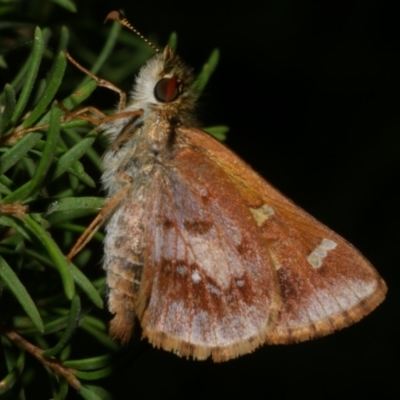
209	287
325	283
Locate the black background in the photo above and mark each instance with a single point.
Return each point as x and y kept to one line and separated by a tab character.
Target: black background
310	90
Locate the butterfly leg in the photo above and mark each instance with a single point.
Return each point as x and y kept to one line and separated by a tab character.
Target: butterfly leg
97	117
101	217
97	120
104	118
101	82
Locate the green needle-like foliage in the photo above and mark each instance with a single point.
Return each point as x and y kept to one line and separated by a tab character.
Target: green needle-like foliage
51	309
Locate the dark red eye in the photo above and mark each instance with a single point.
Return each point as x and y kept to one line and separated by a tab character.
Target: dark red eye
167	89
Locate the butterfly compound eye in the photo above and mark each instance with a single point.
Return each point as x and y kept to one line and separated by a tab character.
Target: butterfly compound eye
167	89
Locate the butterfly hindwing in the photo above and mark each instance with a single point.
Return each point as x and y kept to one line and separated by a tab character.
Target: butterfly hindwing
213	285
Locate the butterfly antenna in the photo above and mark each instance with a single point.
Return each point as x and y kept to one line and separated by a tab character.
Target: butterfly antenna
116	16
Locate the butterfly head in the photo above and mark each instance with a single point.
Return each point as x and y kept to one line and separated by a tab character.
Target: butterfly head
164	85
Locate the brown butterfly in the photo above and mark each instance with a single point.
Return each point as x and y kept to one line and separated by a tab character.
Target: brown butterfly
208	256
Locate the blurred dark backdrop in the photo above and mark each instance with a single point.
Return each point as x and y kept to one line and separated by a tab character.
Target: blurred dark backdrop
310	90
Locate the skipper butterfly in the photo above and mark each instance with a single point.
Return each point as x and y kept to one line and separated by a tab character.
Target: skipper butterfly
207	256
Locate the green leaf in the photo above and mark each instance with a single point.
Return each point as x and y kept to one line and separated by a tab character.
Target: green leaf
218	132
83	176
59	217
15	153
105	52
16	224
64	37
4	189
90	364
24	191
68	204
99	391
72	155
79	96
89	325
7	182
35	59
52	86
55	325
95	375
55	254
16	82
73	320
48	151
5	116
3	63
40	89
72	101
206	72
15	285
67	4
63	390
91	154
86	286
14	375
9	353
88	394
173	41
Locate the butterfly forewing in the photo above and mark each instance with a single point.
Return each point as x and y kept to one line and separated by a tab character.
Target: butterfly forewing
324	282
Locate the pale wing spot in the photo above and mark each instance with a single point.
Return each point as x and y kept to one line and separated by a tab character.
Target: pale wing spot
181	270
328	244
314	260
240	283
320	252
262	213
316	257
275	260
196	278
213	289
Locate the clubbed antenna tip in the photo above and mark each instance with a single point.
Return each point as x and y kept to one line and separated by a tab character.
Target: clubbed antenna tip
116	16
